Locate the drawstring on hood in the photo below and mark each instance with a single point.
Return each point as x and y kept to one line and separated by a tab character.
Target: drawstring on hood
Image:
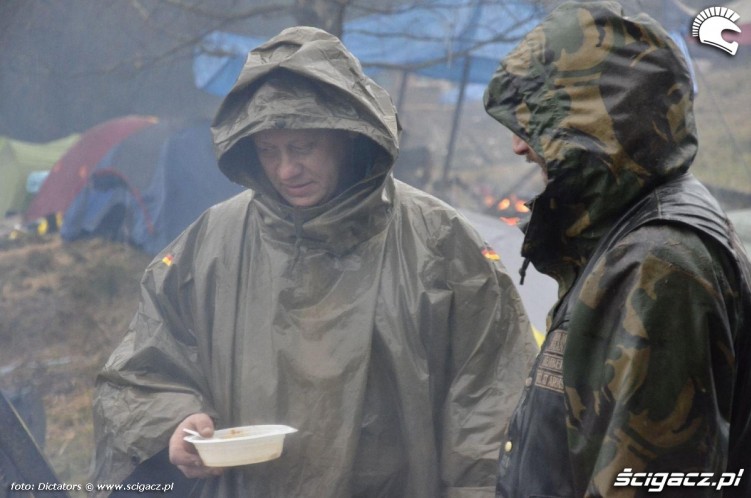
523	271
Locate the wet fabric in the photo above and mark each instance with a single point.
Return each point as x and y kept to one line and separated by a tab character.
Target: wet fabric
376	324
645	366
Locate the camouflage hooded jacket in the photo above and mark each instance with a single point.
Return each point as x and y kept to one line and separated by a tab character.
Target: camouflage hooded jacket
645	368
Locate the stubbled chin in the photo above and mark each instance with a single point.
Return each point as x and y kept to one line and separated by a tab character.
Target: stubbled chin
301	197
302	201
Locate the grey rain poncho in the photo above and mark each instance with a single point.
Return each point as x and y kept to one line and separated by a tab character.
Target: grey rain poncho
378	324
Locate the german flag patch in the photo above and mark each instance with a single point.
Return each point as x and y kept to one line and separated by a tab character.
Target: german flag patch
167	260
491	254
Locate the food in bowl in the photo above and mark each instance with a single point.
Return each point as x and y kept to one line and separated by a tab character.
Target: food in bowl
241	445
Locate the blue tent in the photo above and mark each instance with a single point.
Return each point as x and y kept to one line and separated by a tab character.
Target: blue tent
150	187
460	41
218	60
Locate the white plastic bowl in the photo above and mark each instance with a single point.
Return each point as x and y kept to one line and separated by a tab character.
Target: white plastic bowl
241	445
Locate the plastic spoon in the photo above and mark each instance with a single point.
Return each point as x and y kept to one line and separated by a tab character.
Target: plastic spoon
192	432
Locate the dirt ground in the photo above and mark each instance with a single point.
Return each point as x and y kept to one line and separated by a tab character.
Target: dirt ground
64	307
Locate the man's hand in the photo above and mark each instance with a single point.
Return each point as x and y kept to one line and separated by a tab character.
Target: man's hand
183	454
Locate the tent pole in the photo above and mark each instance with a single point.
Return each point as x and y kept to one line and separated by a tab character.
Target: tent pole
402	90
455	121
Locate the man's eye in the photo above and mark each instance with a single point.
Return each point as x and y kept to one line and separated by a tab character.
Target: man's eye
265	152
302	149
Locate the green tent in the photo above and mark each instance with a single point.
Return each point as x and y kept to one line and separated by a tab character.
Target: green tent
21	163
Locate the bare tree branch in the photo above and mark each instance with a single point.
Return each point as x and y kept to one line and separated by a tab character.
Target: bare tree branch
211	13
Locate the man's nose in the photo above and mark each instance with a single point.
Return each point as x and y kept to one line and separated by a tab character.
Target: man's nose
288	167
519	146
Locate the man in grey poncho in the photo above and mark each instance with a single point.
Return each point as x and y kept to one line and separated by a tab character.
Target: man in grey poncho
328	297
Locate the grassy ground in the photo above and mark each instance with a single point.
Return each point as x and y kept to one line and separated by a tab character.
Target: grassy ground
64	307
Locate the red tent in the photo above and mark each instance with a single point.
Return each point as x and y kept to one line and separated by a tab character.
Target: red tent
70	174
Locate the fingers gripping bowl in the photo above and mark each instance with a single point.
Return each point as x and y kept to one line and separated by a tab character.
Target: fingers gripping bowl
241	445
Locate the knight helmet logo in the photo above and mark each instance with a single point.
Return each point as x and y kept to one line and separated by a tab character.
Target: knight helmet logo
711	22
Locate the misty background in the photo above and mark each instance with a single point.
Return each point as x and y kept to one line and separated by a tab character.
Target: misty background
68	65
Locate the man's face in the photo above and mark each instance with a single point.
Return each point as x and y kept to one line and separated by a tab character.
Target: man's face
522	148
306	167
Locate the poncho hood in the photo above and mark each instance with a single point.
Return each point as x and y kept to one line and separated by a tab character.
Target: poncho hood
606	101
304	78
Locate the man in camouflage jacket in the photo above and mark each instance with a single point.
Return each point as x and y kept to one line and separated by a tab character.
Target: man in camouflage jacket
643	381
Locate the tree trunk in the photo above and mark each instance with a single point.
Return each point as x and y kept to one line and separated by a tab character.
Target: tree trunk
324	14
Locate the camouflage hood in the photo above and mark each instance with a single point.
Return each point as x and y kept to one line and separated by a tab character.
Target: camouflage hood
606	101
304	78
